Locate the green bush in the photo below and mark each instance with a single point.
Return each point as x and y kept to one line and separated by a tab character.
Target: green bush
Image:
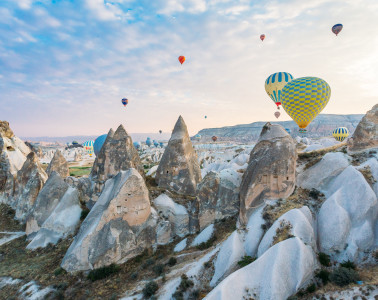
158	269
324	259
207	264
148	262
150	289
59	271
172	261
185	283
246	260
348	264
323	275
103	272
314	194
343	276
311	288
84	214
207	244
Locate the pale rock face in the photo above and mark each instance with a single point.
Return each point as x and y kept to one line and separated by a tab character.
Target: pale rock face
83	185
30	180
218	196
321	174
291	262
271	170
347	219
5	130
176	214
117	154
254	232
366	134
119	226
301	223
179	169
36	149
62	221
48	198
59	165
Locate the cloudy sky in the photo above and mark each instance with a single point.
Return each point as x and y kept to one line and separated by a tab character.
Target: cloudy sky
65	65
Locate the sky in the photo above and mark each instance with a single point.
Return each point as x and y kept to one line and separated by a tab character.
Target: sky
65	65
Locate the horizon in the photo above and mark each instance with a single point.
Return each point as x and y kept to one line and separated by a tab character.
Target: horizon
65	66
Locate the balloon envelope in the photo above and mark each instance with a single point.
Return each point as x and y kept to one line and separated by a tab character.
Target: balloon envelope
161	144
288	130
337	28
136	145
160	131
274	85
277	114
340	133
98	143
304	98
124	101
148	142
214	138
181	59
262	37
88	147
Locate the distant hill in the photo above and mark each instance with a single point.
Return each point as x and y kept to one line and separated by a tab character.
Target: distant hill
322	125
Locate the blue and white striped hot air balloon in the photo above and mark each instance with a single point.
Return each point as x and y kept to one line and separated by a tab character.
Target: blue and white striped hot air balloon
274	85
88	146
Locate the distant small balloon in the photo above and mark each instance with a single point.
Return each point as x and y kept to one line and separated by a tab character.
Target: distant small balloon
161	144
337	28
124	101
288	130
277	114
181	59
148	142
156	144
160	131
136	145
214	138
340	134
205	117
262	37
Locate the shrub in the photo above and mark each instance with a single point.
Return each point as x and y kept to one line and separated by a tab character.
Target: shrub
314	194
348	264
185	283
195	295
148	262
134	275
343	276
178	295
150	289
59	271
323	275
172	261
207	264
246	260
324	259
103	272
84	214
207	244
158	269
311	288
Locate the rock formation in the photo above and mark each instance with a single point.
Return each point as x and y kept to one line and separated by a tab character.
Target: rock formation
366	133
29	181
77	157
48	198
117	154
5	130
36	149
62	221
179	170
218	196
59	165
271	170
119	226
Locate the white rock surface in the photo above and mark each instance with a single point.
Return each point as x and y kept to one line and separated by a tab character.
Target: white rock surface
254	232
181	246
204	236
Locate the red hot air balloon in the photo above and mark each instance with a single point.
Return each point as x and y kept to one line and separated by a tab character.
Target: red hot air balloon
277	114
124	101
262	37
214	138
181	59
337	28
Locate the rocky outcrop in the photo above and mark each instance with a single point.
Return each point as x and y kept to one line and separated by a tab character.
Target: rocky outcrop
366	133
218	196
119	226
77	157
271	170
117	154
5	130
84	187
29	181
179	169
48	198
62	221
58	164
36	149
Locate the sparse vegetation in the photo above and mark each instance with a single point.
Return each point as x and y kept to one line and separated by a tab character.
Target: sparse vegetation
103	272
315	194
150	289
80	171
7	221
343	276
311	288
283	232
172	261
323	275
366	172
348	264
324	259
246	260
207	244
84	214
185	284
158	269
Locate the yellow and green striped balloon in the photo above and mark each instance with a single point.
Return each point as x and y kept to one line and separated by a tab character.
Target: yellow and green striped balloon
304	98
340	133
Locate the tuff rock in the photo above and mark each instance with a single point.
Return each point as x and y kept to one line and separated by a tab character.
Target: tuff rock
59	165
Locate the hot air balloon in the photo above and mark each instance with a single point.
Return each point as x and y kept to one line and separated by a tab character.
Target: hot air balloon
98	143
88	147
274	85
160	131
337	28
277	114
136	145
288	130
205	117
197	137
181	59
156	144
161	144
340	133
262	37
124	101
75	143
304	98
214	138
148	142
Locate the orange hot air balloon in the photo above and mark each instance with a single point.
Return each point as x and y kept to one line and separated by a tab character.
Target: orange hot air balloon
277	114
181	59
262	37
